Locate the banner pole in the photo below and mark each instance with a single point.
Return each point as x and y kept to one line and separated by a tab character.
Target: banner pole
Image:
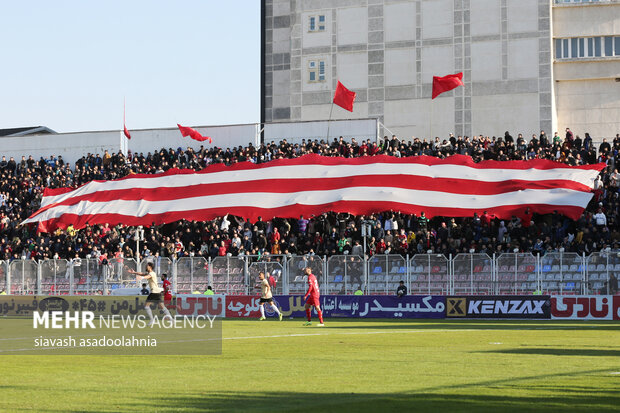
328	122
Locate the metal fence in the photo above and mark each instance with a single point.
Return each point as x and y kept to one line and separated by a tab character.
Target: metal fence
346	274
600	269
429	274
508	273
385	272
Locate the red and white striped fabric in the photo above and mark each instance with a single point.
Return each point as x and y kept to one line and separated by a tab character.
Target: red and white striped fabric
455	187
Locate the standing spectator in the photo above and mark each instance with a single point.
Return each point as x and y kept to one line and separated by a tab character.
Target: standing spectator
302	224
600	219
604	148
587	142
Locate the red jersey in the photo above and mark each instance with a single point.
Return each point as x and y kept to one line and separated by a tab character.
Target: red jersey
313	287
167	290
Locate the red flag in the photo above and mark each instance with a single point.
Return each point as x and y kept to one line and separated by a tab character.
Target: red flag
446	83
193	133
313	184
126	132
344	97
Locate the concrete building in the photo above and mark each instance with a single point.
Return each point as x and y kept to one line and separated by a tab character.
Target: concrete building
586	67
388	51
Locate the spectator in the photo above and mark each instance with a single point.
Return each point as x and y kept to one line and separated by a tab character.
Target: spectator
401	290
209	291
22	184
600	218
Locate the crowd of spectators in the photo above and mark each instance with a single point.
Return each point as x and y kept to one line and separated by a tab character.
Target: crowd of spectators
22	183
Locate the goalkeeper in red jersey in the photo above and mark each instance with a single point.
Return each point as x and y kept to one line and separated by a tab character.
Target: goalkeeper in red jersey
312	298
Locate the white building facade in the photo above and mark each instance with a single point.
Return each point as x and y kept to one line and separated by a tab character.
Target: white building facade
388	51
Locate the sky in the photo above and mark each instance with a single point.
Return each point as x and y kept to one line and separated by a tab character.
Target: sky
69	64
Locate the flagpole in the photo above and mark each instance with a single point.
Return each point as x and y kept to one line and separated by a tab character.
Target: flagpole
328	122
431	123
126	141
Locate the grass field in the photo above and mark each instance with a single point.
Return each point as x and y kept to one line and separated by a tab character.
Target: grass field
346	366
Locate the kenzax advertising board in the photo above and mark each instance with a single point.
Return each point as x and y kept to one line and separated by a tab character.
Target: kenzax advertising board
585	307
355	306
499	306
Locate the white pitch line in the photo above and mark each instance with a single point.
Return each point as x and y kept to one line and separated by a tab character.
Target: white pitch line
264	337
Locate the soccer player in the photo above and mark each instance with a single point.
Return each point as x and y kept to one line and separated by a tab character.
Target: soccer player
312	298
167	290
155	295
266	297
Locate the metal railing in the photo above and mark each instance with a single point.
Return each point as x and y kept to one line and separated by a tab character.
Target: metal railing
508	273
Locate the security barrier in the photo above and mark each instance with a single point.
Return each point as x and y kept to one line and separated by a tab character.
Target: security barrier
555	273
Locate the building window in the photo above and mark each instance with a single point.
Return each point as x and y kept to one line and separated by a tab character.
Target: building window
585	47
609	46
317	23
316	71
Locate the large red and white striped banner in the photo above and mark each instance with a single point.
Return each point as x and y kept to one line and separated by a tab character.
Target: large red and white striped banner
312	184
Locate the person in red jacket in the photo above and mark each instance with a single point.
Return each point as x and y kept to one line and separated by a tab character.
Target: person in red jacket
312	298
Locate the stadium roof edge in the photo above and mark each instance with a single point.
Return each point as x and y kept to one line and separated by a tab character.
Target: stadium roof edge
28	130
45	129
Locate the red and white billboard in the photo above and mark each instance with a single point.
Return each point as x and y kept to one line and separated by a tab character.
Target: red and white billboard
242	306
195	304
585	307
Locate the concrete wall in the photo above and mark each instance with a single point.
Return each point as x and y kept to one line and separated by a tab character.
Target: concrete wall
295	132
589	106
575	20
72	146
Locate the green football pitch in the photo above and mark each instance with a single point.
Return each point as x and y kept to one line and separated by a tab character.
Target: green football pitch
348	365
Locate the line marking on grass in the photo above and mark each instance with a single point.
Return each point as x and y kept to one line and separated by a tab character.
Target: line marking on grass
615	372
334	333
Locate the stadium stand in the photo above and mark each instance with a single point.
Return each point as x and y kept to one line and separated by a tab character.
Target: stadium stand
561	241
